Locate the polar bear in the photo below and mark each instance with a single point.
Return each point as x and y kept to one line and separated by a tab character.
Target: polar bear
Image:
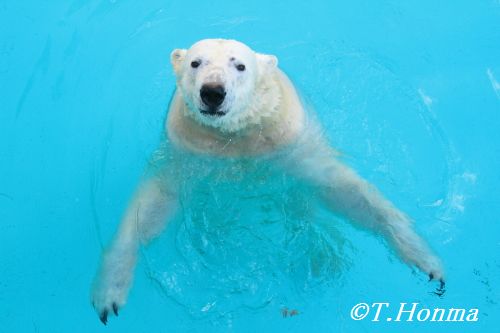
232	103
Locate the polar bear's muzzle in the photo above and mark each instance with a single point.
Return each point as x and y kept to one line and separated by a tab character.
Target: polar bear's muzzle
212	96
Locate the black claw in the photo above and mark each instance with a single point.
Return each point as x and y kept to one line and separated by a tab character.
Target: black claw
104	317
115	309
441	284
440	290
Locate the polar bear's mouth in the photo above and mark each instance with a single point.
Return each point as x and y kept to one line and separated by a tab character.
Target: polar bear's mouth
213	113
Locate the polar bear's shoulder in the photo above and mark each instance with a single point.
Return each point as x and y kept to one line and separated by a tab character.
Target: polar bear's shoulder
292	112
277	128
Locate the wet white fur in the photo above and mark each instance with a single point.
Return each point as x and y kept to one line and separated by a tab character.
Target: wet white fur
264	115
244	90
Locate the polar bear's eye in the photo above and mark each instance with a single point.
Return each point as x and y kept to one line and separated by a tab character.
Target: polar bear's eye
195	64
240	67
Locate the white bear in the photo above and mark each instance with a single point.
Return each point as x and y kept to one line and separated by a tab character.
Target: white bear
232	103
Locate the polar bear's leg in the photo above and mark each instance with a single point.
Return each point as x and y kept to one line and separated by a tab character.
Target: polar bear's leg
144	219
356	199
349	195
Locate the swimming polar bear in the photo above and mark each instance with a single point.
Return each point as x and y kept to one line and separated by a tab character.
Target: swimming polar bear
232	104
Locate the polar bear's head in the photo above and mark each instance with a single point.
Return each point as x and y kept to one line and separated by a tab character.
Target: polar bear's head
223	82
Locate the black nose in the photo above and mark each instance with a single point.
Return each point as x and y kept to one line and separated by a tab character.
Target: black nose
212	95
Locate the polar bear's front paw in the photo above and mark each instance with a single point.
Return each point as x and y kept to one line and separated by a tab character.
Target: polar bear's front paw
103	313
112	284
439	290
108	297
431	265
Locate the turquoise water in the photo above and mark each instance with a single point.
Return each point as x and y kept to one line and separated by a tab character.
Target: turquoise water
408	92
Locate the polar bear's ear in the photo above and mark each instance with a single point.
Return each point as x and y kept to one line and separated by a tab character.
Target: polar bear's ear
266	62
177	57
